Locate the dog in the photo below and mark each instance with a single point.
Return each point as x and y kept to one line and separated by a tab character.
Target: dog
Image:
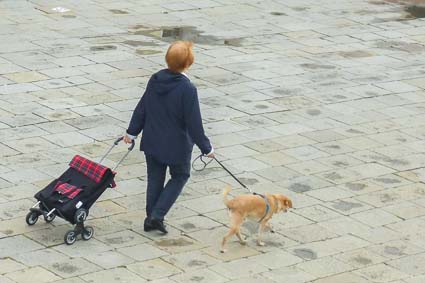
253	207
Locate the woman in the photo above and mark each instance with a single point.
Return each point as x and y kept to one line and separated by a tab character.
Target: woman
169	116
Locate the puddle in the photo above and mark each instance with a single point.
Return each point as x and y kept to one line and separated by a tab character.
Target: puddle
313	112
136	43
393	250
416	12
170	34
188	226
317	66
174	242
363	260
249	181
388	180
305	254
355	54
147	51
401	46
65	267
346	205
103	48
195	262
277	14
299	188
300	9
355	186
414	9
118	12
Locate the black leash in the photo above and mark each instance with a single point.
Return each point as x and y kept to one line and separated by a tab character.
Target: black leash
206	163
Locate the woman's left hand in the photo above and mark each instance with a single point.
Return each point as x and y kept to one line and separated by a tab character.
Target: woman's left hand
127	139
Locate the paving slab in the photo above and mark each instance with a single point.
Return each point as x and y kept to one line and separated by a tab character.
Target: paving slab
323	103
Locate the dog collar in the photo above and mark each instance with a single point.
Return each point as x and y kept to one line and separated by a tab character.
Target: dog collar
267	206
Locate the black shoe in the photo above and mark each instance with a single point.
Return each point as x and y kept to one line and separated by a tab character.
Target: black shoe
147	226
158	225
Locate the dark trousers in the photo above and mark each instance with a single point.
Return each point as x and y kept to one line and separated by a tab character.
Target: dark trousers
160	198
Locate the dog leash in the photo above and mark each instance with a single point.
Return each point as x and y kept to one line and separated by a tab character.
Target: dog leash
206	163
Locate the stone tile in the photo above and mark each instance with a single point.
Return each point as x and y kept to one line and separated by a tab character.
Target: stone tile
28	275
324	266
153	269
201	275
122	239
317	213
31	145
26	77
329	194
381	273
72	267
68	139
174	244
347	277
375	217
308	233
195	223
291	274
18	244
4	279
113	275
275	158
305	153
7	265
85	247
40	257
360	258
109	259
405	210
142	252
308	167
396	249
191	260
239	268
276	259
276	174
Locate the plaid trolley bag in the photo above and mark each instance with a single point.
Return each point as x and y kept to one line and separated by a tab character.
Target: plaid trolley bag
72	194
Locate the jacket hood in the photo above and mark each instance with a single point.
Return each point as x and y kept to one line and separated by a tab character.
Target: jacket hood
165	81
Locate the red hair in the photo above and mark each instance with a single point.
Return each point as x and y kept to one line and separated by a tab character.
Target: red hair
179	56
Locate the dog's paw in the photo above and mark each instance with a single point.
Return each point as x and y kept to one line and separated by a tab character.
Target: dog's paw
243	243
261	244
223	251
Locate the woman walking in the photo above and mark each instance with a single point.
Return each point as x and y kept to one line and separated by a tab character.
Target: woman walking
169	116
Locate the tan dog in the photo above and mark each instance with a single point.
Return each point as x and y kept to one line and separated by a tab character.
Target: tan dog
253	207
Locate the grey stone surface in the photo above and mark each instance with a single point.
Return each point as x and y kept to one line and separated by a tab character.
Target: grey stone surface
320	101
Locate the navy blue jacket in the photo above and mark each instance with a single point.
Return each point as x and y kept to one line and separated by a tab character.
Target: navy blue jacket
169	115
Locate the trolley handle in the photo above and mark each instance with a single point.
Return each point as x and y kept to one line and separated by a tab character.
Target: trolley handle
116	142
120	139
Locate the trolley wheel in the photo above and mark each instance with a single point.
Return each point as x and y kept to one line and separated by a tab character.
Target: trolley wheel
31	218
80	215
70	237
87	233
49	218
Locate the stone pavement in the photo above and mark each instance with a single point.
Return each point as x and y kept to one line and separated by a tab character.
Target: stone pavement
322	100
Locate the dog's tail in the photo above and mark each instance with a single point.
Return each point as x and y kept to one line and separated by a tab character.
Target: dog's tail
226	191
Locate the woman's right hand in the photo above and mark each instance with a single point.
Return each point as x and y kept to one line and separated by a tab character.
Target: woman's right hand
211	155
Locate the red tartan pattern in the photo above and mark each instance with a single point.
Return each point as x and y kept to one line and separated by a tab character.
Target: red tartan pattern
68	190
89	168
